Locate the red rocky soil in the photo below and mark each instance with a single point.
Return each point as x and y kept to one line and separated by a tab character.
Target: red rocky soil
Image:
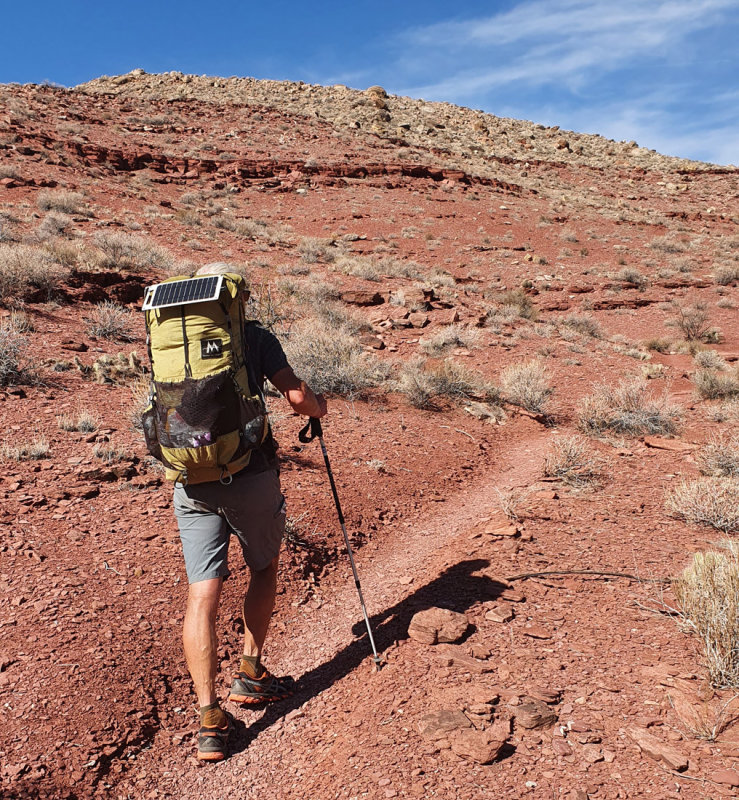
558	685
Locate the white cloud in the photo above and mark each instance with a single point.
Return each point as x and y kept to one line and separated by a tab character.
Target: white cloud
540	42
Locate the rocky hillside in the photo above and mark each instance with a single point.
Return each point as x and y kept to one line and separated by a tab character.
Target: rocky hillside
529	342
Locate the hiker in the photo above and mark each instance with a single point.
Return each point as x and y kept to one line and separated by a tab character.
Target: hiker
249	504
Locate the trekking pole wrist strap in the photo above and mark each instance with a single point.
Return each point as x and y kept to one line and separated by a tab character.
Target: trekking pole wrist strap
311	430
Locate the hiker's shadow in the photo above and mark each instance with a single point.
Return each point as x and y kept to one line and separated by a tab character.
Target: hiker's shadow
457	588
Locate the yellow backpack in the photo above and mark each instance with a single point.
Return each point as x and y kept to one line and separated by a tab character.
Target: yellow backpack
202	421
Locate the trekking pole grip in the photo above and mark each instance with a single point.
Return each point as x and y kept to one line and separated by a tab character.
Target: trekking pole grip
314	426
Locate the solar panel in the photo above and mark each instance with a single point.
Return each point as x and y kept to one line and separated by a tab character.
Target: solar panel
178	293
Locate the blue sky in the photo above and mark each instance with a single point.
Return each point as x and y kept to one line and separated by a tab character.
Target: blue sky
662	72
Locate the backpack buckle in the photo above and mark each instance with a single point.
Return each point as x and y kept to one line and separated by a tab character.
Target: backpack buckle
226	478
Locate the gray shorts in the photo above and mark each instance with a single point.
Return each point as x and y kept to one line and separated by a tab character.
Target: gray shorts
251	507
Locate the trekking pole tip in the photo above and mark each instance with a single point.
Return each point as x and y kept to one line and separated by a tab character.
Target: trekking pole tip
379	663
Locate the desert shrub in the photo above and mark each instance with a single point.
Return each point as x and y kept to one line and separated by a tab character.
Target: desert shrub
572	460
423	385
709	359
399	268
447	338
110	321
125	251
7	230
584	324
727	275
24	271
28	451
264	305
712	385
526	385
720	456
367	268
626	409
693	322
187	216
707	593
331	359
632	277
52	225
12	344
658	345
712	502
61	200
727	410
314	251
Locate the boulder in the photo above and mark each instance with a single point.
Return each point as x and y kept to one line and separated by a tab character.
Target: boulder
361	297
418	319
533	713
437	724
437	625
482	747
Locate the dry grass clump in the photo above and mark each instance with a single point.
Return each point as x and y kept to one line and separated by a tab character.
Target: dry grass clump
712	385
331	360
526	385
34	450
449	337
109	453
425	385
667	244
720	456
583	324
110	321
712	502
626	409
134	253
61	200
25	271
82	421
119	369
658	345
707	593
572	460
518	301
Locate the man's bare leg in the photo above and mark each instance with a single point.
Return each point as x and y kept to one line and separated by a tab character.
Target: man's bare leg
259	603
199	637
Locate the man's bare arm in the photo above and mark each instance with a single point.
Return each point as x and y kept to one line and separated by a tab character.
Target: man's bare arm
297	392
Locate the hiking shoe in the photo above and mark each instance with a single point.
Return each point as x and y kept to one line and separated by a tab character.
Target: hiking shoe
265	689
213	740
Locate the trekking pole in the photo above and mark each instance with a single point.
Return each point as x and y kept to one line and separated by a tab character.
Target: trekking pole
314	426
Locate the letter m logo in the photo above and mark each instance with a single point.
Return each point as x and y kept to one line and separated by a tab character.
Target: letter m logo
211	348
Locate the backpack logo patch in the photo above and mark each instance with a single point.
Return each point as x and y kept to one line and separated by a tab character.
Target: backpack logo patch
211	348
